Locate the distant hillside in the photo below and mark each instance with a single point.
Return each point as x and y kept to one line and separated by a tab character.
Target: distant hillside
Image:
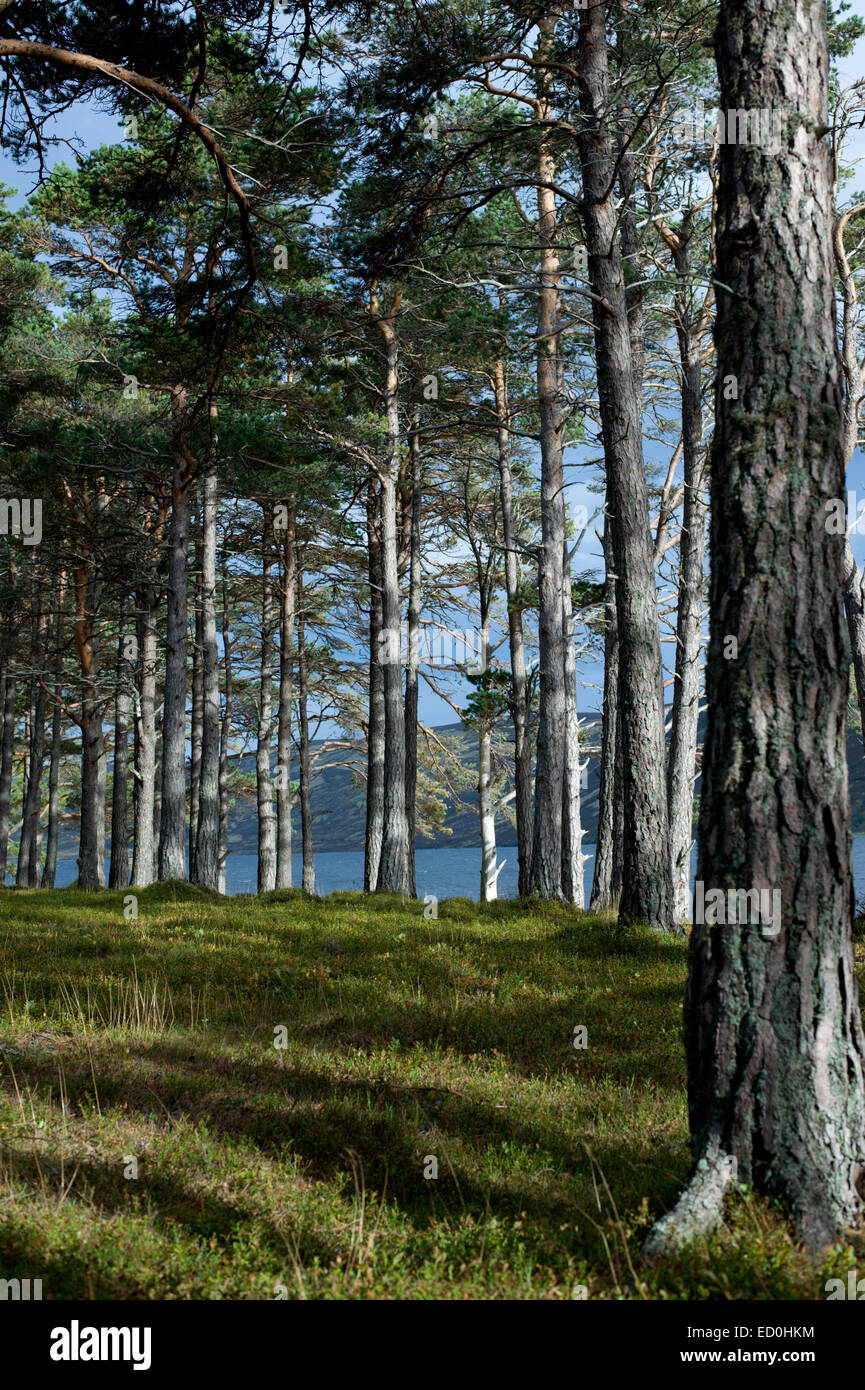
339	802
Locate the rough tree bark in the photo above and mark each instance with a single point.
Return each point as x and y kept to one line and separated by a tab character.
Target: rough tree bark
206	870
605	892
264	781
546	870
772	1025
573	890
172	815
10	688
413	645
28	869
646	890
375	726
197	711
519	683
49	873
682	755
393	866
225	733
145	741
308	875
287	602
118	870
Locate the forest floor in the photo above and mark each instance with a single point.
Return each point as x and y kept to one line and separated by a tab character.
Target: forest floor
268	1171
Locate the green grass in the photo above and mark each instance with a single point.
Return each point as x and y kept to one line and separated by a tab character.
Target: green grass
299	1171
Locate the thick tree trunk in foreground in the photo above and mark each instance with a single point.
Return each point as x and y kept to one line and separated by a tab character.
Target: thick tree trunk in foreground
646	890
519	682
772	1025
375	726
264	782
207	823
172	816
287	603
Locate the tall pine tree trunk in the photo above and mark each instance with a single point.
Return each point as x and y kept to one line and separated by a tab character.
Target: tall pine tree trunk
646	890
197	711
207	823
308	876
519	684
264	781
605	893
28	871
10	689
118	872
225	735
172	818
413	645
145	742
287	605
375	726
682	756
393	867
772	1024
572	827
546	872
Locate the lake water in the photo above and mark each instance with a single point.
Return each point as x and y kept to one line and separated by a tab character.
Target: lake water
445	873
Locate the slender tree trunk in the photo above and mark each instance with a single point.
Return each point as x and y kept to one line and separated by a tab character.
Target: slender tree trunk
413	644
118	873
264	781
145	726
519	683
225	735
682	756
773	1029
647	890
854	385
308	878
572	825
375	727
603	897
287	606
10	687
546	875
28	871
172	820
49	873
196	728
207	824
91	862
393	873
